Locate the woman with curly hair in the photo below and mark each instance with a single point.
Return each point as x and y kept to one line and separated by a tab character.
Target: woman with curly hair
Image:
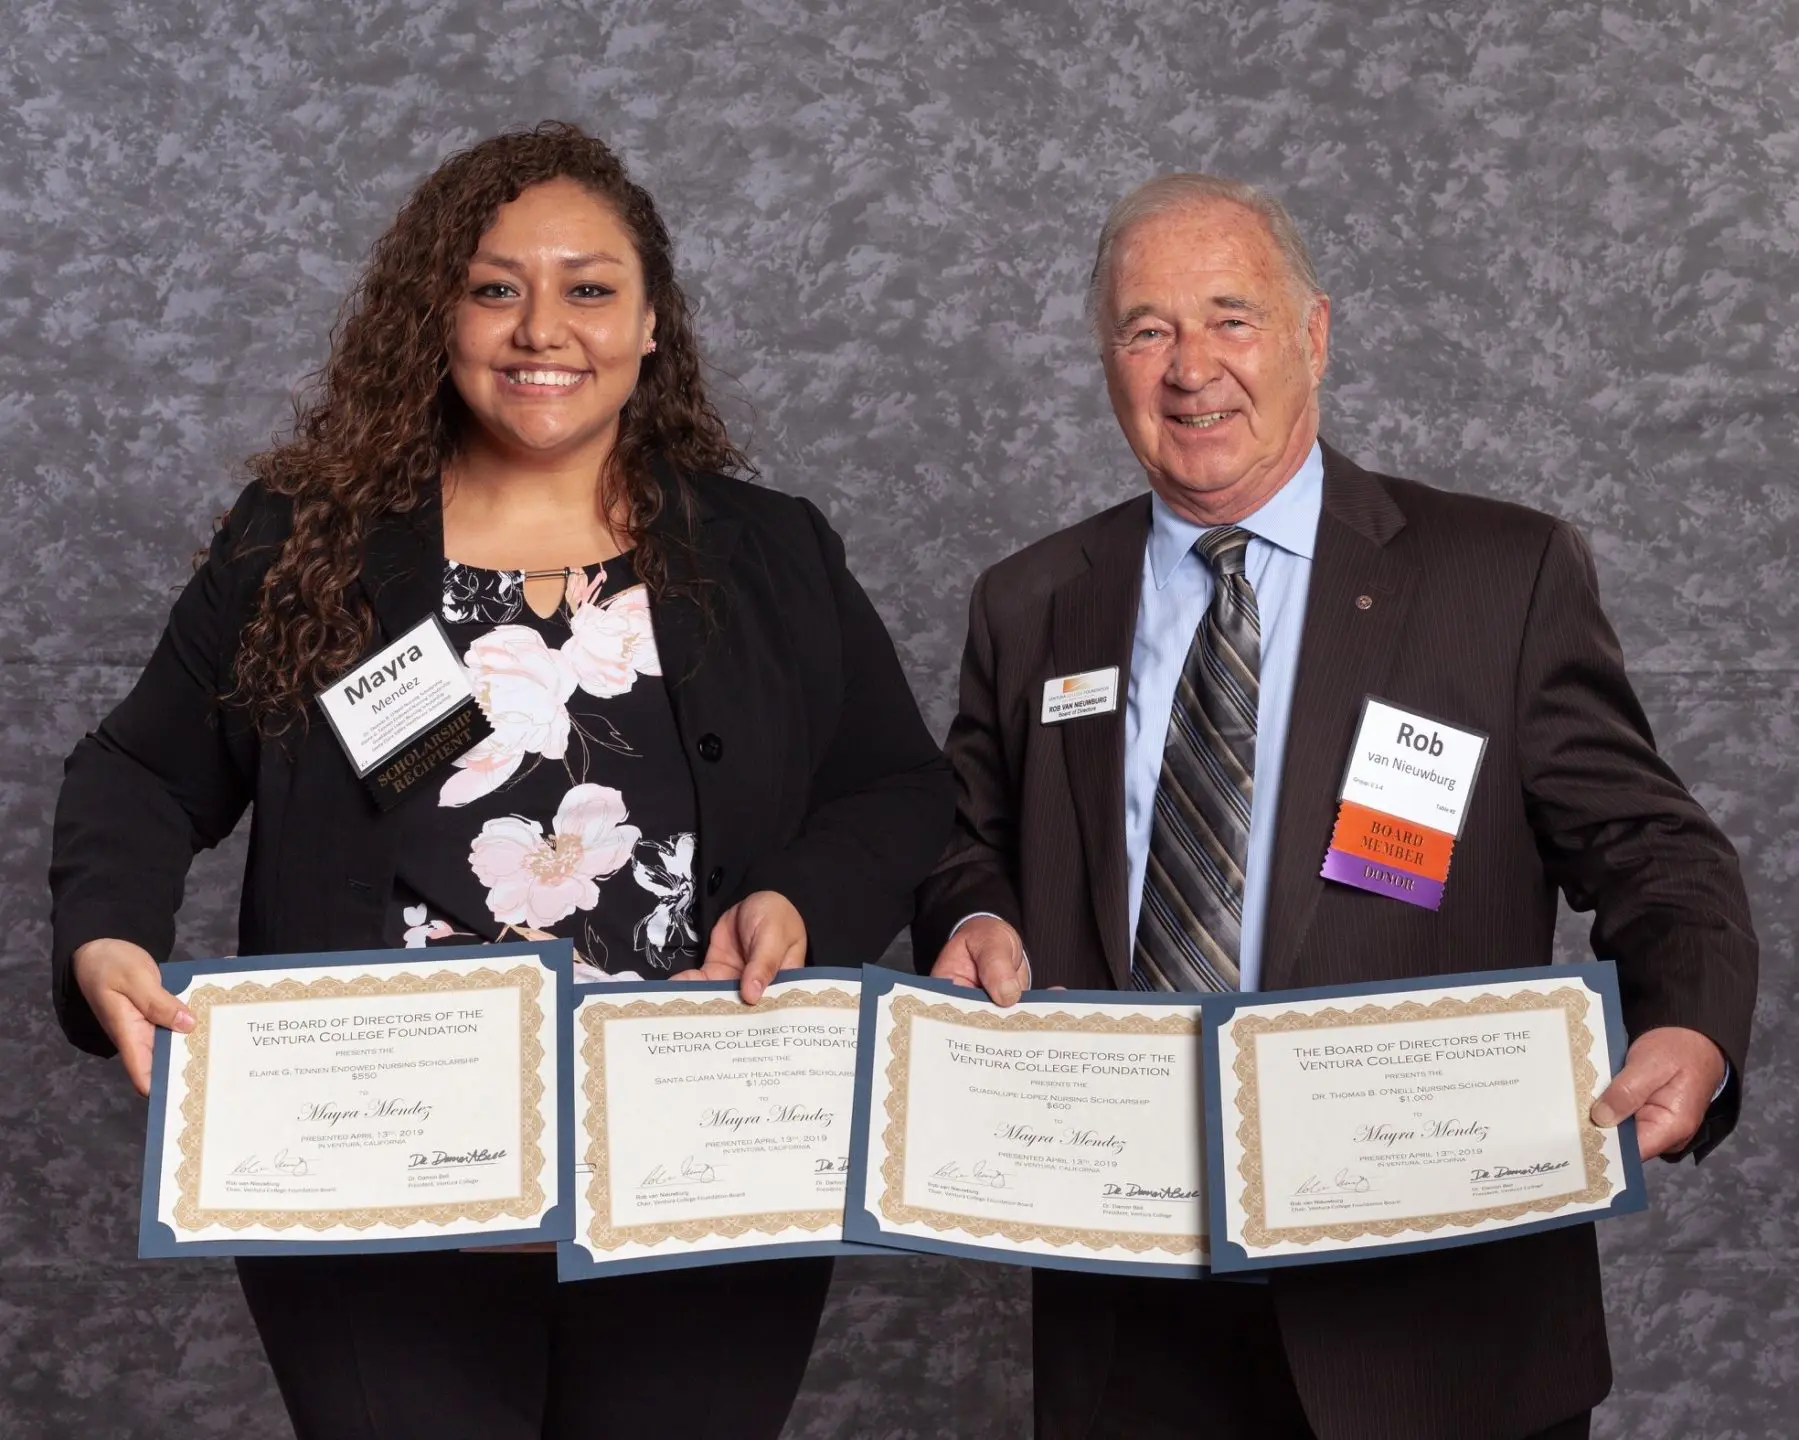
704	760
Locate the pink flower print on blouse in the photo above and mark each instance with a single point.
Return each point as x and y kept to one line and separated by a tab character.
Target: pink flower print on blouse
537	880
523	687
422	930
580	589
612	643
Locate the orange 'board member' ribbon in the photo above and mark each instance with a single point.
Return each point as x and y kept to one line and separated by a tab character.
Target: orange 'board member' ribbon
1403	844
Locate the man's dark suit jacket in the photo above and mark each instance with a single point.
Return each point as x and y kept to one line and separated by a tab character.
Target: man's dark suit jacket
1486	615
813	772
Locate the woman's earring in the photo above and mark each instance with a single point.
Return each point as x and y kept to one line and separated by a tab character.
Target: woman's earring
650	349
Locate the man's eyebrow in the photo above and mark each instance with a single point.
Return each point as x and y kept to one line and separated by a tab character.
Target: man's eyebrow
1131	317
569	262
1238	304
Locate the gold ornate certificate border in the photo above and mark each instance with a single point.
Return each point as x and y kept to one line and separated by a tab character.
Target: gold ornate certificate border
908	1008
602	1234
1245	1029
526	1205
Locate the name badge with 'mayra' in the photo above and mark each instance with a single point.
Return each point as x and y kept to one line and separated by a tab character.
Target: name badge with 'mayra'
405	712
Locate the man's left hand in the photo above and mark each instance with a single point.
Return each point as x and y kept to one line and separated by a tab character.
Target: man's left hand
756	938
1668	1080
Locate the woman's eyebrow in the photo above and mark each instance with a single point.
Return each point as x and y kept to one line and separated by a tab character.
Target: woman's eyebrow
568	262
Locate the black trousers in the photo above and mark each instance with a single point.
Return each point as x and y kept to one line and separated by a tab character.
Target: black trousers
1125	1359
454	1346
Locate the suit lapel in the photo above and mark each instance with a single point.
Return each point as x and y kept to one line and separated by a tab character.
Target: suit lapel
1356	607
1094	620
402	566
699	545
402	576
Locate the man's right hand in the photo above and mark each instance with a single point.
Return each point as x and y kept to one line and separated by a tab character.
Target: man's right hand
123	986
987	952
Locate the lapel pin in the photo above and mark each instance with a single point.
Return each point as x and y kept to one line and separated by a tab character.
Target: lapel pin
1364	602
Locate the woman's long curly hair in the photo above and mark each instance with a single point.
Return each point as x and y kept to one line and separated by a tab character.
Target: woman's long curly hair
382	419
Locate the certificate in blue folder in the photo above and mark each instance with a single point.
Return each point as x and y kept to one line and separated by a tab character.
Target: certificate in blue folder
1376	1119
708	1131
362	1101
1063	1131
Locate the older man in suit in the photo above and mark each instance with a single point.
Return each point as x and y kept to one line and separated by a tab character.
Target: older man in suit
1263	588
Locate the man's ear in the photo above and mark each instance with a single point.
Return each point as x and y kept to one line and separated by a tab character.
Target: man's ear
1318	335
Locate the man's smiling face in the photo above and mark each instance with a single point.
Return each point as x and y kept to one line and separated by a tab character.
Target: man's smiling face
1213	355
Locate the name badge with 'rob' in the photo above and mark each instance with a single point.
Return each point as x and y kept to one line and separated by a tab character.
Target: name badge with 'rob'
405	712
1404	795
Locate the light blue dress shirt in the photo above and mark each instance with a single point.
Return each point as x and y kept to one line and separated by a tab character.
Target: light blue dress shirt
1177	587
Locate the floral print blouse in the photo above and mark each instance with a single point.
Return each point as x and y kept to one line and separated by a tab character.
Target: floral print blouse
575	818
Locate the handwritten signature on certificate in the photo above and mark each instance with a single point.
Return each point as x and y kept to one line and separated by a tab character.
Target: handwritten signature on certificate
691	1171
1131	1190
983	1172
284	1163
1345	1182
1513	1172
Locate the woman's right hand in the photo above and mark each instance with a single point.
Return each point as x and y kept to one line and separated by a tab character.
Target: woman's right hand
123	987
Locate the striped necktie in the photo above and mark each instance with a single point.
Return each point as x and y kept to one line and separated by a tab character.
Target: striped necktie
1190	927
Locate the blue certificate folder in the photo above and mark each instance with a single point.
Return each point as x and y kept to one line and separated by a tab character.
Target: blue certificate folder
1599	977
577	1262
862	1226
157	1239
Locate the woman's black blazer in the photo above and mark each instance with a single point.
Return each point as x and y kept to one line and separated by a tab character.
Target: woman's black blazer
813	772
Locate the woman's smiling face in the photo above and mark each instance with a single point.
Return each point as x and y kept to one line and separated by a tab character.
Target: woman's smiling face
552	327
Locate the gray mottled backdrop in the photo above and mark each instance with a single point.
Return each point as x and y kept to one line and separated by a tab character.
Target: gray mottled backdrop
1559	240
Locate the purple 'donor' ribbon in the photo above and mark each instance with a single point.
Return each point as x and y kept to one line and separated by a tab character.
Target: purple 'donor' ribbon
1364	874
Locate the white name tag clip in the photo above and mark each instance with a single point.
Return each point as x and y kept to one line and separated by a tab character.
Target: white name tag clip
405	712
1069	697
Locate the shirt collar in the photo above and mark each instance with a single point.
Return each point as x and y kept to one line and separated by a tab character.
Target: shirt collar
1288	519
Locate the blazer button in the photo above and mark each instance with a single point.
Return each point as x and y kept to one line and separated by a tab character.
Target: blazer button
714	880
711	747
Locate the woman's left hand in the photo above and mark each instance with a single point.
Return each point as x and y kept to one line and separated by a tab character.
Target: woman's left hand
757	937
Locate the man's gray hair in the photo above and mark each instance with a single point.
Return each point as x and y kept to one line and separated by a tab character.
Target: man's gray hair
1180	191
